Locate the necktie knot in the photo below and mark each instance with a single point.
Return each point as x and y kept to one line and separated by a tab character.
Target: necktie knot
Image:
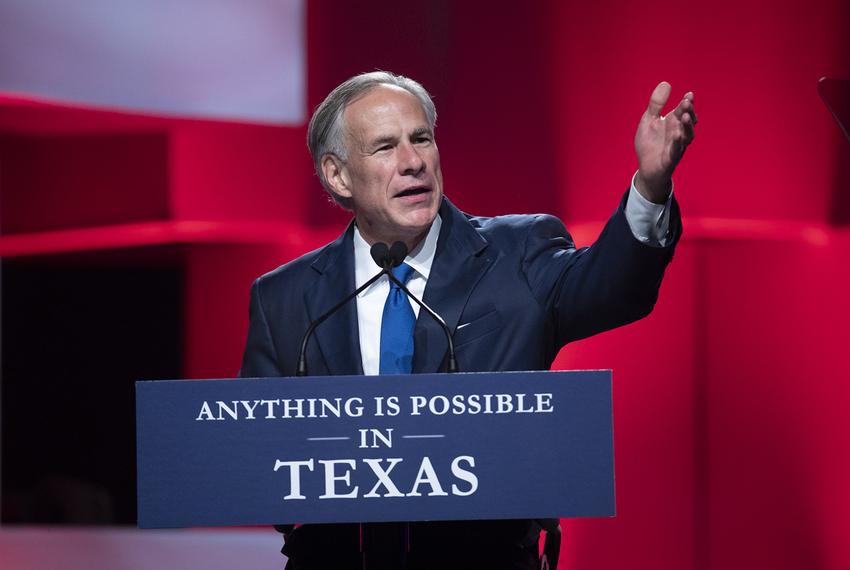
403	273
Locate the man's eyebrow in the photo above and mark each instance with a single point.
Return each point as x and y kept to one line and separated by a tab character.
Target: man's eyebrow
382	140
421	131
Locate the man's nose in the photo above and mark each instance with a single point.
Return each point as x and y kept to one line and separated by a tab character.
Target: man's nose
410	161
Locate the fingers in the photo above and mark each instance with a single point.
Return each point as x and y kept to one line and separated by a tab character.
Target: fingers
687	117
688	129
689	96
658	99
683	119
684	111
674	131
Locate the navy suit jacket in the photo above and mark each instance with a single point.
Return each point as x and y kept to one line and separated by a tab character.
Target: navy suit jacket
512	289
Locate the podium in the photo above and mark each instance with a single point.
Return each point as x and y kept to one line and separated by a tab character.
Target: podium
424	447
375	449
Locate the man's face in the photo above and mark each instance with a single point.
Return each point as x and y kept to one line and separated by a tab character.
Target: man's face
392	174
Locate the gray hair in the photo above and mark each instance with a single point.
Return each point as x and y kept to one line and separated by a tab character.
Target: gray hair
326	135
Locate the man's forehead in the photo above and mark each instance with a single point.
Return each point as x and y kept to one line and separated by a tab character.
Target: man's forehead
384	104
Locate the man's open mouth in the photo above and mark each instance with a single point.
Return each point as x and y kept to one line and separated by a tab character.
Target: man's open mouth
413	191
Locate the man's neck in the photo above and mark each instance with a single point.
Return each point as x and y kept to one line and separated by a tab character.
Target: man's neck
420	258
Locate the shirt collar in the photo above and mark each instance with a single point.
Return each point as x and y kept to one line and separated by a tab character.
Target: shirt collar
420	259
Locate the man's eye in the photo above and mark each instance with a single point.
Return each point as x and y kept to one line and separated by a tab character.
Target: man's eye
384	147
420	140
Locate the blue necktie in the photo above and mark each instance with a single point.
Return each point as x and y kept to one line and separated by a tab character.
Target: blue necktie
397	327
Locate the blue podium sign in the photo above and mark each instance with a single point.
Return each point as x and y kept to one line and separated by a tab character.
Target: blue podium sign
374	448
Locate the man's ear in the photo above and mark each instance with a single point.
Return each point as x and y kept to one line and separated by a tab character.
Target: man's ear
336	175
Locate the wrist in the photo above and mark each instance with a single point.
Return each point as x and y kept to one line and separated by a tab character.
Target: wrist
655	190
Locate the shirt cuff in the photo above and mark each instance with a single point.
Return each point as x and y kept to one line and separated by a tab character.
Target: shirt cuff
648	221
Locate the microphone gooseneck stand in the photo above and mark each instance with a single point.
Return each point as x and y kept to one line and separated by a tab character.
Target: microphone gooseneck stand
386	258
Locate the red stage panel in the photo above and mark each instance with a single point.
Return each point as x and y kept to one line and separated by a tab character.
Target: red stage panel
777	387
654	433
766	147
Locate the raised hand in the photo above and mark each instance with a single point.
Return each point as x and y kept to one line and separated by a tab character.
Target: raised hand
660	142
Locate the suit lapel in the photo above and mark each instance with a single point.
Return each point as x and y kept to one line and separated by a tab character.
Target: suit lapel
338	338
460	261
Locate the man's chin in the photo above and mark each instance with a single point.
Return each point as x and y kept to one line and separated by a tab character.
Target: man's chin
414	229
421	220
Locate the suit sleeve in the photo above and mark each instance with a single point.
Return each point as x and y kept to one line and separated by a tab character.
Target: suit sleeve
589	290
260	357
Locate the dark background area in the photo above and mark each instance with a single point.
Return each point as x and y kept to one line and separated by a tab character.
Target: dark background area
76	337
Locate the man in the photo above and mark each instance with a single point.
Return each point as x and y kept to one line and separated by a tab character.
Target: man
512	289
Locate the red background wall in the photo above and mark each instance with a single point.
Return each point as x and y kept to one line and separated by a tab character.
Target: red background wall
730	436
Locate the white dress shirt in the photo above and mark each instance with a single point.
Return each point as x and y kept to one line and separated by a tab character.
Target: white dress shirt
648	221
370	303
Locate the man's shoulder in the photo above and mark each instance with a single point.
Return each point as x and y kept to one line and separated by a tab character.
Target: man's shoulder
511	227
293	272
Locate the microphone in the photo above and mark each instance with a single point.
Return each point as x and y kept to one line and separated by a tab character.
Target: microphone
387	258
398	251
381	255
